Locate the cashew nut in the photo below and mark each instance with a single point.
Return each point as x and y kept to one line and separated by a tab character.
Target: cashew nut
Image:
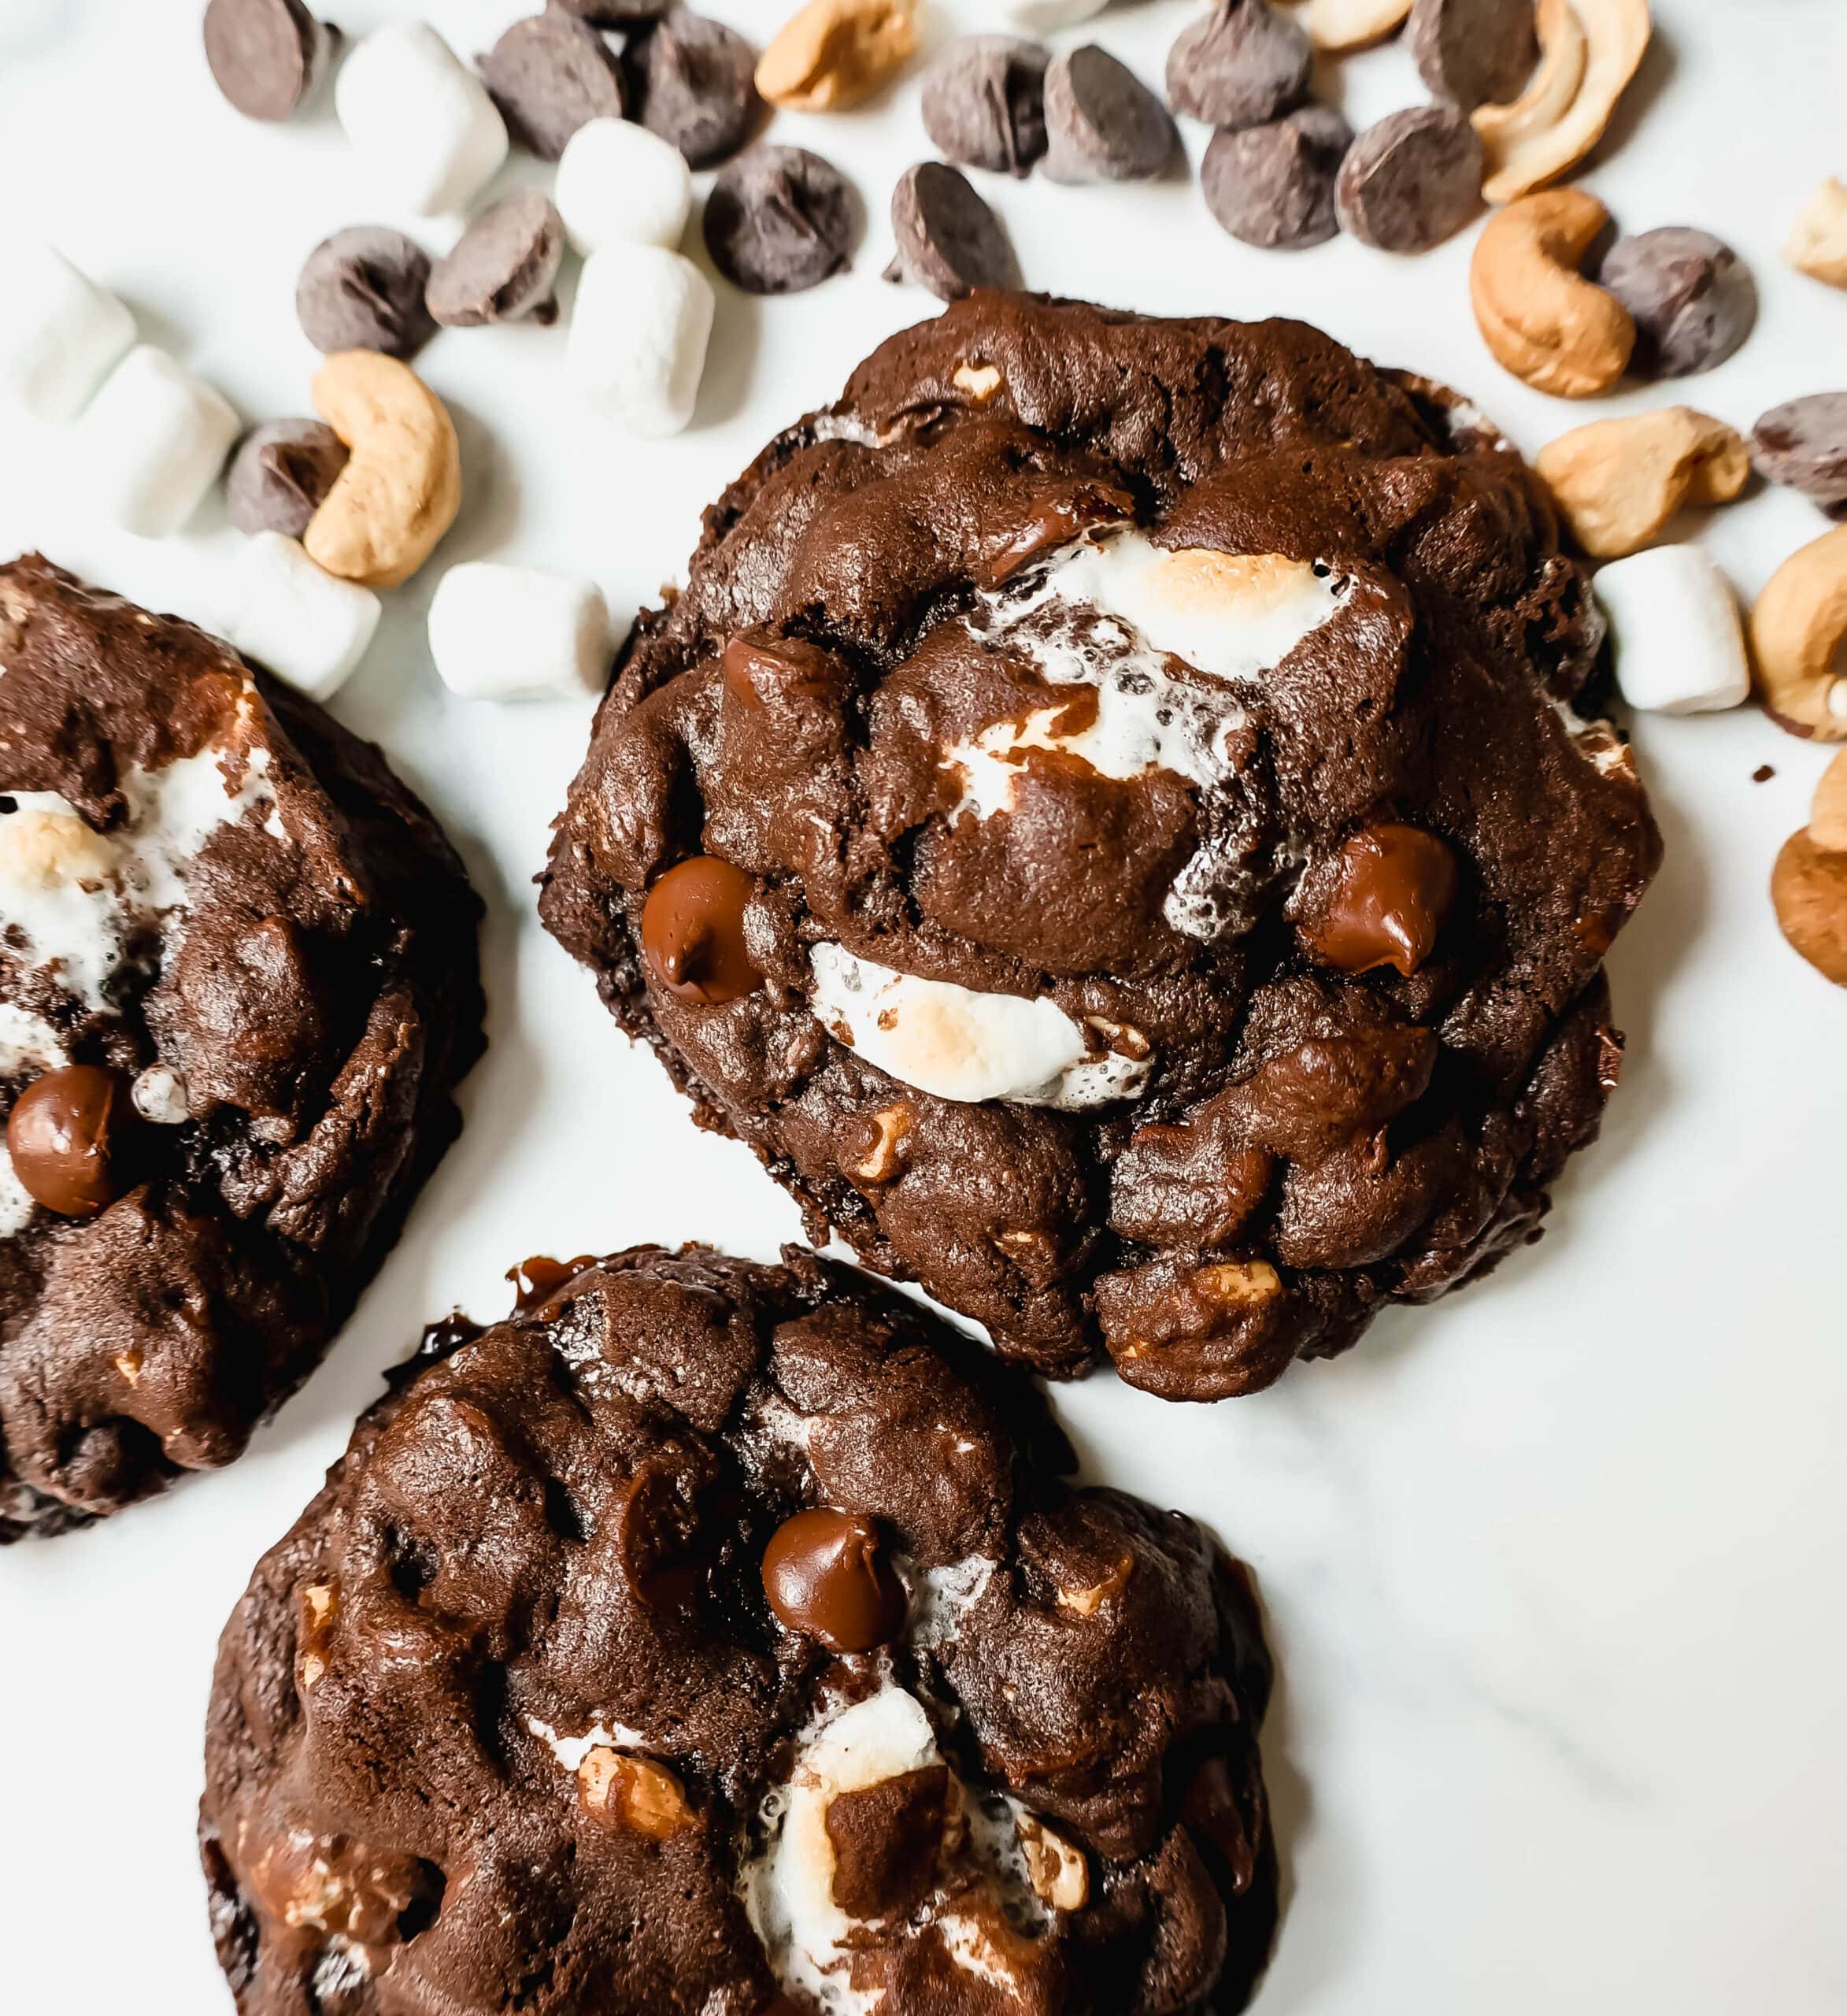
1619	482
1589	50
1338	24
632	1793
1797	629
834	53
1809	884
1057	1870
1818	243
401	486
1538	314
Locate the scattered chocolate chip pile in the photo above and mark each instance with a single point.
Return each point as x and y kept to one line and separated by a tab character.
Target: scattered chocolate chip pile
711	1636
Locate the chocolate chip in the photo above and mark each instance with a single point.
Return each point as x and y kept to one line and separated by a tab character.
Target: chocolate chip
1240	64
62	1135
826	1576
948	239
267	56
1102	123
779	220
1411	180
280	476
550	75
1804	444
695	81
984	102
1475	52
504	265
614	13
1391	889
693	931
363	289
1273	185
1692	299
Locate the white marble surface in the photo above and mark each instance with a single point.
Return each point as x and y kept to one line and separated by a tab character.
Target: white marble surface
1554	1570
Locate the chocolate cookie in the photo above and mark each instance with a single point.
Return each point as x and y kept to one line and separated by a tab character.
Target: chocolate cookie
237	990
1167	876
710	1636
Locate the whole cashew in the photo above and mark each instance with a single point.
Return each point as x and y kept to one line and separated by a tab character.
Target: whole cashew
1809	884
1797	629
1542	320
1589	50
834	53
401	486
1337	25
1620	481
1818	243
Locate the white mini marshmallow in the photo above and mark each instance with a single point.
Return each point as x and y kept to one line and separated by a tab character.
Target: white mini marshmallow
498	632
420	119
1680	646
153	442
639	336
962	1045
60	335
308	626
620	184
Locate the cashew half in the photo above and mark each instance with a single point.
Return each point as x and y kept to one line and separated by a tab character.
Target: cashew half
401	486
1809	884
1818	243
1797	630
1589	51
1619	482
1338	24
1539	315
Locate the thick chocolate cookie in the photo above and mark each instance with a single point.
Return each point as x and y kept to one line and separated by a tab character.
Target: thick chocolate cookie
1107	822
237	989
718	1639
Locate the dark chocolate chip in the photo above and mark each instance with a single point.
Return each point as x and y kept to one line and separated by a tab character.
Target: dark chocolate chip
613	14
550	75
62	1135
984	102
268	55
1240	63
1273	185
693	931
363	289
1475	52
778	219
1392	887
695	81
1804	444
1102	123
948	239
826	1576
1411	180
1692	299
282	474
504	265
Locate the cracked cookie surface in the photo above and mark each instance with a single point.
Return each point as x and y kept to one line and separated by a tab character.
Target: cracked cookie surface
542	1705
1107	822
237	990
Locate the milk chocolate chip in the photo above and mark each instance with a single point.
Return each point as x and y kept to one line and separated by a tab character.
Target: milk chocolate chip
279	476
62	1137
696	80
267	56
948	239
363	289
693	931
550	75
1393	887
984	102
826	1576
